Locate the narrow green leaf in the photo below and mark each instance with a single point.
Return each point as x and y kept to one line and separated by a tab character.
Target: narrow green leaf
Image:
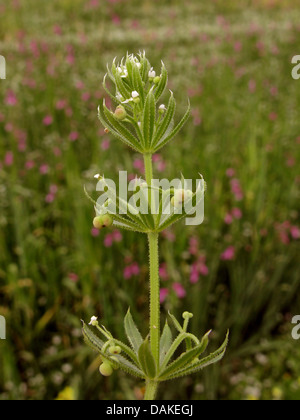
166	122
121	87
176	343
146	360
138	83
132	332
91	339
165	342
206	361
145	68
185	358
176	323
162	83
149	119
113	97
184	119
121	129
111	128
127	366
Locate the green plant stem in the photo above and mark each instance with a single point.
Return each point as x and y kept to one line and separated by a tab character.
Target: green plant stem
154	296
148	167
151	388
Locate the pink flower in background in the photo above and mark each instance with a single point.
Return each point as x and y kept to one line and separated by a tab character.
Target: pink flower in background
108	240
290	161
179	290
295	232
236	189
116	19
9	127
79	85
252	86
228	219
236	213
74	136
273	116
228	254
85	96
193	245
11	98
57	30
95	232
163	272
160	164
61	104
117	235
170	236
163	293
93	4
198	268
202	267
274	90
8	159
139	164
48	120
44	169
29	164
53	189
105	144
135	269
131	270
230	172
194	276
73	277
127	273
50	198
238	46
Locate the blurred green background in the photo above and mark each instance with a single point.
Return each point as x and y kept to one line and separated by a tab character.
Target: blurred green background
239	270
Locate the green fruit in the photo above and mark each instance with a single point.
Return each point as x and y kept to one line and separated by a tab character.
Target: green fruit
106	369
120	113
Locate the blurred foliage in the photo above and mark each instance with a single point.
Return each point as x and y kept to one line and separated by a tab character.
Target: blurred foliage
234	62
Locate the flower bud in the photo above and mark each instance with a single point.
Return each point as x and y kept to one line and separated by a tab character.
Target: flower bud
94	321
97	222
120	113
115	350
107	220
151	74
102	221
106	369
156	80
180	196
162	108
187	315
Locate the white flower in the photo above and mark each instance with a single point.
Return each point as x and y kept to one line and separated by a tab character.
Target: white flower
151	73
138	65
119	97
162	107
134	95
97	176
94	321
123	71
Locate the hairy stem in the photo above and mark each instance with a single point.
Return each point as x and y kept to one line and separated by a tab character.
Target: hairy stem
151	386
154	296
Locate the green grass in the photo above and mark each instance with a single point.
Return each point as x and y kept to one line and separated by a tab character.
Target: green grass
212	51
